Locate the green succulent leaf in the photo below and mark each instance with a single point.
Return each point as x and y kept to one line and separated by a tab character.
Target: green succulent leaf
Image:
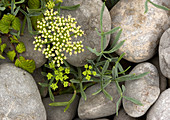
115	47
107	95
3	46
51	94
112	31
105	67
74	81
58	104
44	84
16	24
11	55
20	47
159	6
117	105
130	77
93	51
2	57
82	91
28	65
44	74
146	6
133	100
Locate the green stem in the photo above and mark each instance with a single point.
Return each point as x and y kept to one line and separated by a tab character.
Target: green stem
23	26
79	73
59	8
102	37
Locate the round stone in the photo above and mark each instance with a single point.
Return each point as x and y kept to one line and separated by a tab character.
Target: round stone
161	109
140	30
164	53
99	105
145	89
57	113
19	95
88	17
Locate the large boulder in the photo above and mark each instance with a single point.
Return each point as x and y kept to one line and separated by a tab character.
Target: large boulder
140	30
88	17
19	95
145	89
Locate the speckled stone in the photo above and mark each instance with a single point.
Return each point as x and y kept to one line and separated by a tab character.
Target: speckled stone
57	113
140	30
161	109
19	95
88	17
164	53
97	106
145	89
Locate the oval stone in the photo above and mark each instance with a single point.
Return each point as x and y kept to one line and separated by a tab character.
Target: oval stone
145	89
88	17
19	96
140	30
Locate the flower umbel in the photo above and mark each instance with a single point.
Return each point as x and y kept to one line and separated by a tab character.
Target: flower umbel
56	33
60	74
88	72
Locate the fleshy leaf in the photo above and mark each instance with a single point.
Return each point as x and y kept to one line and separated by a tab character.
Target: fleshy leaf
20	47
11	55
1	57
16	24
3	46
28	65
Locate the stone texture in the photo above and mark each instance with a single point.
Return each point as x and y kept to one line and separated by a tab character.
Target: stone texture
88	17
97	106
164	53
57	113
162	78
145	89
19	96
123	116
39	78
141	31
161	109
167	4
30	53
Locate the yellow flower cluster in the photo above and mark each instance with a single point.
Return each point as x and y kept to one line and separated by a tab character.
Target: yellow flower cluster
50	5
56	34
88	72
60	75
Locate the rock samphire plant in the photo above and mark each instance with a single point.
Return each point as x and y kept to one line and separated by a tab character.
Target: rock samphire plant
76	80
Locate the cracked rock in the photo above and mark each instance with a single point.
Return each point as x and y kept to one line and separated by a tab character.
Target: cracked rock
161	109
88	17
19	95
164	53
140	30
145	89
